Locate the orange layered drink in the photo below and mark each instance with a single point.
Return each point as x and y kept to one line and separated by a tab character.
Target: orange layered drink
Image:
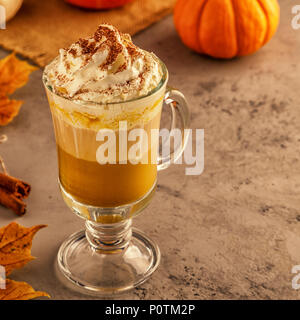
106	84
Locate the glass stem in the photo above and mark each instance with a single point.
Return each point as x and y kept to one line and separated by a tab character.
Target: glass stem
109	238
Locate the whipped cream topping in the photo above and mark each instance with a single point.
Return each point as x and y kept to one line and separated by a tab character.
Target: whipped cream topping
105	68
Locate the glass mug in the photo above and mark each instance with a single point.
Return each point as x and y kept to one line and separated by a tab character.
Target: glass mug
110	257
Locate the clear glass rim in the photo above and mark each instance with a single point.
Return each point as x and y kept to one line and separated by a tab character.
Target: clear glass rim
162	82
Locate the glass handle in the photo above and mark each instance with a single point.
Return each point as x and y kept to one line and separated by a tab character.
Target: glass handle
175	100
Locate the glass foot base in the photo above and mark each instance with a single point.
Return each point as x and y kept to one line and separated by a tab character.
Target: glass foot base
107	273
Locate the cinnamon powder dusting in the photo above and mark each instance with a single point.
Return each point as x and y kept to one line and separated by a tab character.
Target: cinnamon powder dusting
73	52
106	67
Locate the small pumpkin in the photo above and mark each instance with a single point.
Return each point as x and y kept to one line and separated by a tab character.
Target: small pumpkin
226	28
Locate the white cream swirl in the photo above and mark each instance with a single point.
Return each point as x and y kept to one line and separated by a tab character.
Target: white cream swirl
105	68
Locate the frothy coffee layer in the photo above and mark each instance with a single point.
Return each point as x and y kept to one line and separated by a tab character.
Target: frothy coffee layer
105	68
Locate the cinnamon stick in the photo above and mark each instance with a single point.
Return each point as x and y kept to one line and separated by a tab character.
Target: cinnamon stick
13	185
11	201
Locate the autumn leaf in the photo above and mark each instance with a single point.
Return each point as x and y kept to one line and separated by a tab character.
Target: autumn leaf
15	252
15	245
16	290
14	74
8	110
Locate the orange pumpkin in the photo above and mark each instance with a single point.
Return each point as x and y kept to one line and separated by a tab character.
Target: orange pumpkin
226	28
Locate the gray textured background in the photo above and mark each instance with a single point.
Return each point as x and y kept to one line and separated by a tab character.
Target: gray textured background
232	232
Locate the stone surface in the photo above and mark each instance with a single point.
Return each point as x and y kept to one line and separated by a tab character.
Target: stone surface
231	233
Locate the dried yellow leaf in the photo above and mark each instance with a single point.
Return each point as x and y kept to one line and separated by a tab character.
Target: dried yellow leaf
15	245
14	74
8	110
16	290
